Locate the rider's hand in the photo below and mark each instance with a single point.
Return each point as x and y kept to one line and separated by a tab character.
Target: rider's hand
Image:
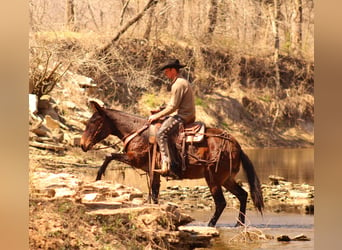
152	118
154	111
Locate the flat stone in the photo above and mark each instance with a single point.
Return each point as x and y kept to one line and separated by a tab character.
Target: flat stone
206	231
103	207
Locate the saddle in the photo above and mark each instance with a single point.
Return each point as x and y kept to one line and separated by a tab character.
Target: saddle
189	133
193	132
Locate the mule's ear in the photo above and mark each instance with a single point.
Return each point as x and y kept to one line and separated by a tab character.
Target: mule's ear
95	106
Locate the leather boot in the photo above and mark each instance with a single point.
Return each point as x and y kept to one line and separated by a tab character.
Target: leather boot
164	169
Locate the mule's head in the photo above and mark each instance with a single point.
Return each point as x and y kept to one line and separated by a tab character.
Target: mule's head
97	128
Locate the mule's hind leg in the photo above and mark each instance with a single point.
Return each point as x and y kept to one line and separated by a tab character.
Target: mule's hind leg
241	194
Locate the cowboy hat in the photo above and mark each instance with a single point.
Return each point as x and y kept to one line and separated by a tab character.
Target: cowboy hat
174	63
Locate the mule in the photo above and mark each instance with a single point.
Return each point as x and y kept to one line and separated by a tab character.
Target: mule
217	158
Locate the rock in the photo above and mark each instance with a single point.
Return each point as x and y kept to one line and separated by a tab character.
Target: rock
76	141
301	237
138	201
309	209
33	104
148	215
55	185
283	238
298	194
275	179
103	205
90	197
200	230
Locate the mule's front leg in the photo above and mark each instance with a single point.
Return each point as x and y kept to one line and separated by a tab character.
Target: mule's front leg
114	156
103	167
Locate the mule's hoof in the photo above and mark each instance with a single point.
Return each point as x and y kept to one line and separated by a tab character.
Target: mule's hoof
239	224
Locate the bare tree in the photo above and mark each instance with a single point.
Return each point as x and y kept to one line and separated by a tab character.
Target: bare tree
92	15
296	27
123	11
150	4
149	23
70	14
275	18
212	18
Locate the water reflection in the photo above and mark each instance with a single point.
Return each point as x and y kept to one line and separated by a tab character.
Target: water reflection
296	165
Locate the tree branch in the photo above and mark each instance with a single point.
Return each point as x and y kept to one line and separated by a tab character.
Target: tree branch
150	3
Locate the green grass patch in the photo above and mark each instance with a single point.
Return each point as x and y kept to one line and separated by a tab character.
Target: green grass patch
151	100
200	102
265	98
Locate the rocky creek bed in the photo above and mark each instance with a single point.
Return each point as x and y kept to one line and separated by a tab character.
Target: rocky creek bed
279	196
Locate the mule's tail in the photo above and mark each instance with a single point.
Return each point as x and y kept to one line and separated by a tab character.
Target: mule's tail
254	183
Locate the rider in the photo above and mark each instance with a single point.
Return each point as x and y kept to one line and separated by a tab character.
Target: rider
182	100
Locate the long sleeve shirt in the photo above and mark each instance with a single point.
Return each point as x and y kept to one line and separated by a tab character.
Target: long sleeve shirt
182	100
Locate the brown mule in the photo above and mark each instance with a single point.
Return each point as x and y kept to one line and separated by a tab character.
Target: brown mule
216	158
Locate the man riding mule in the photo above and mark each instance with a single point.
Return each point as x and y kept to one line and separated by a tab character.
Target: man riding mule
216	158
182	100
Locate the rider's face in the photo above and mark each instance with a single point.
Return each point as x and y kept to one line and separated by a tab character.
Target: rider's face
170	73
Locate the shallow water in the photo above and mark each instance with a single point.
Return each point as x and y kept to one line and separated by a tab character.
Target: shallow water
274	224
295	165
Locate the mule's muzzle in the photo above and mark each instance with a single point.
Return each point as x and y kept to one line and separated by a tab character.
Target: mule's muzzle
84	148
85	145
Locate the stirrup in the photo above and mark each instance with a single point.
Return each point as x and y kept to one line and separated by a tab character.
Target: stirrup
161	171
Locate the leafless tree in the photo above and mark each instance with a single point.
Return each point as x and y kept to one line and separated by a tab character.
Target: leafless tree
70	14
296	25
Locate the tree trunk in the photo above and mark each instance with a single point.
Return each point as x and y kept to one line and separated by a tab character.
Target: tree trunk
212	18
123	12
275	16
296	24
147	33
70	14
92	15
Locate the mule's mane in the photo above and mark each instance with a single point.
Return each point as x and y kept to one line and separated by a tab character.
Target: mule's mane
123	113
127	122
